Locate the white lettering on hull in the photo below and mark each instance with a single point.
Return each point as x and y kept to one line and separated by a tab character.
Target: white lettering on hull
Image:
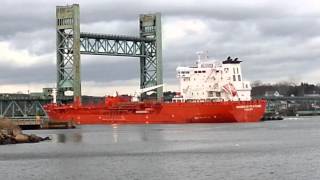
248	107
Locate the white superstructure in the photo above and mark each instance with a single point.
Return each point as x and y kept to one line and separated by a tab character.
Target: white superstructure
213	81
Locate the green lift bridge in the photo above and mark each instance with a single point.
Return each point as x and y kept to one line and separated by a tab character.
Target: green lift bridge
71	43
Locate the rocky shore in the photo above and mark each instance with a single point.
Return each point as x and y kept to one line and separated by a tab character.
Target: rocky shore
12	134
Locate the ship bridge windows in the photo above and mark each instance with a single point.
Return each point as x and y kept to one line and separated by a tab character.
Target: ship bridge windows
199	72
183	72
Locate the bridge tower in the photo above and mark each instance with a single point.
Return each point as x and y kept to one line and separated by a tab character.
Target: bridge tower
68	50
151	65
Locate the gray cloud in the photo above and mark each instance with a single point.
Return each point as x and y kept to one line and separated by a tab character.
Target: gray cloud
36	42
43	73
276	40
103	70
19	15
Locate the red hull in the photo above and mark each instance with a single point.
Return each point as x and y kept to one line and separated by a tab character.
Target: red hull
159	113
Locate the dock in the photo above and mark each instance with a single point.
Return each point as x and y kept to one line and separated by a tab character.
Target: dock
41	123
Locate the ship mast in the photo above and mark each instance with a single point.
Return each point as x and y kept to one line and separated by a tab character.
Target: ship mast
199	54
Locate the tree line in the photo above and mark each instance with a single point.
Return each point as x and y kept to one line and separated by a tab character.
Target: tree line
284	88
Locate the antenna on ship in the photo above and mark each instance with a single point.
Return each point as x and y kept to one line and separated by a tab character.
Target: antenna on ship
207	54
199	53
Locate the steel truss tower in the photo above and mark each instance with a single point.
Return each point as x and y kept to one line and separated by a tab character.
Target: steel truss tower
71	43
151	64
68	50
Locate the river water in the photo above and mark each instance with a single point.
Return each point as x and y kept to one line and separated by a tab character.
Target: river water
287	149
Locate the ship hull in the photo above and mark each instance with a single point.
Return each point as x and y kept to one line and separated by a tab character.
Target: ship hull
159	113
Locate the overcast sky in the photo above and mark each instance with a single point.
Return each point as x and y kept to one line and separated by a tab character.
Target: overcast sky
277	40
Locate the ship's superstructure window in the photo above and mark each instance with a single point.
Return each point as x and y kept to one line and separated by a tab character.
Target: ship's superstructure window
234	78
199	72
239	78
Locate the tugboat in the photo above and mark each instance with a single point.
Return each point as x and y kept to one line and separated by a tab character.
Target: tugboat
212	92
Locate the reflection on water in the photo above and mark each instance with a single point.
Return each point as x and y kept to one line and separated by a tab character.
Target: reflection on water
144	135
61	138
288	149
140	133
115	133
64	138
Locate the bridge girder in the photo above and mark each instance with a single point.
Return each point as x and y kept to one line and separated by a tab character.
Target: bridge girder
113	45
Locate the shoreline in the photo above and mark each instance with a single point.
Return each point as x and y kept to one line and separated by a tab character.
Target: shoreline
12	134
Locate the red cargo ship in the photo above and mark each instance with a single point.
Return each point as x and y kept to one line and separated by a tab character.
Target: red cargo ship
209	93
